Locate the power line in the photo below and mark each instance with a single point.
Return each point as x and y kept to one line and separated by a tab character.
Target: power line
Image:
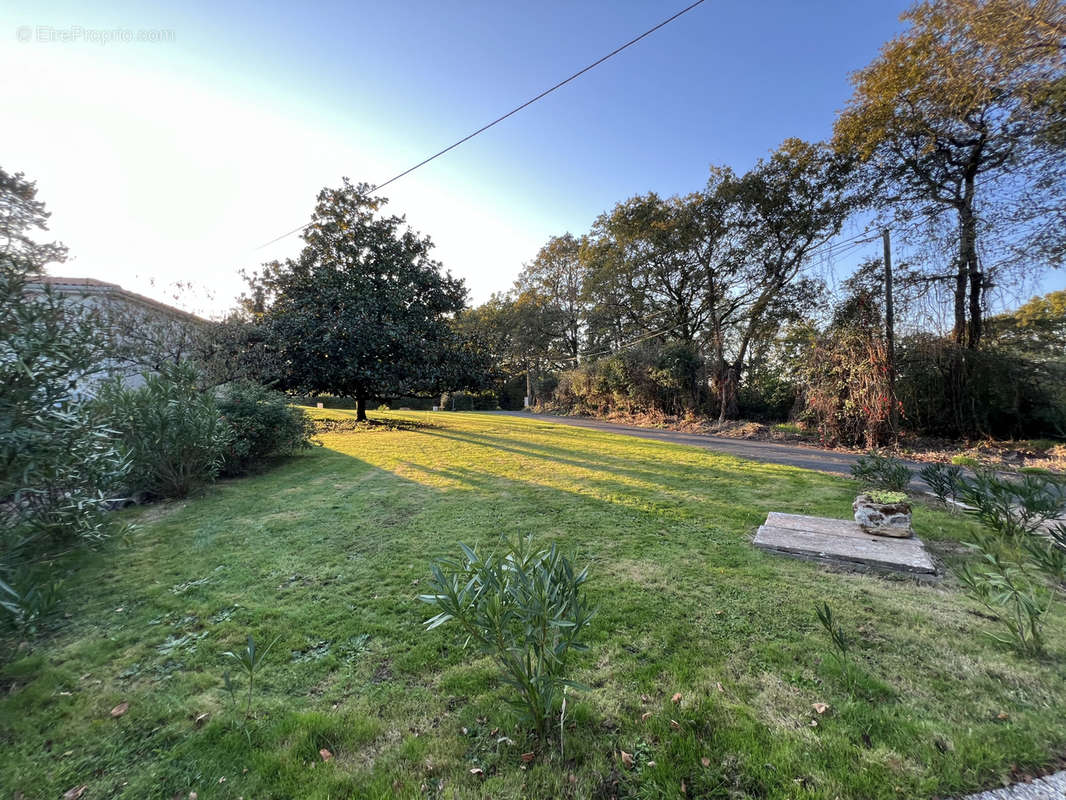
512	112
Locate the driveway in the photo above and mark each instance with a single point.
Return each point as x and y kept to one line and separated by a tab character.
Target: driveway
769	452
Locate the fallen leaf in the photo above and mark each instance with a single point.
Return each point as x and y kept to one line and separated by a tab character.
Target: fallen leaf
719	685
119	710
677	697
326	754
222	779
477	771
627	758
645	699
814	723
675	724
644	716
651	763
193	795
684	789
201	719
1002	715
75	793
705	761
572	778
821	708
527	757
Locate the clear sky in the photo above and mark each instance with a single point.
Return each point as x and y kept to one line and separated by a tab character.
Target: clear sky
175	159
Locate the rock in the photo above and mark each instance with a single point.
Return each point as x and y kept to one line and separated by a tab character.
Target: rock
883	519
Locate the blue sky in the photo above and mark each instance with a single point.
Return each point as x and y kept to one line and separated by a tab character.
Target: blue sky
174	159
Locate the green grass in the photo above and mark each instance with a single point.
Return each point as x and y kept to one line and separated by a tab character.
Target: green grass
330	551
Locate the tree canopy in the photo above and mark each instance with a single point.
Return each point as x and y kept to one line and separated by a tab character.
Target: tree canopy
364	311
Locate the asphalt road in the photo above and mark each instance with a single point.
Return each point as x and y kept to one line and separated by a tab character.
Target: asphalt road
768	452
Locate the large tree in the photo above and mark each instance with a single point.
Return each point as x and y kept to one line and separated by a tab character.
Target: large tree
962	113
364	311
556	275
785	208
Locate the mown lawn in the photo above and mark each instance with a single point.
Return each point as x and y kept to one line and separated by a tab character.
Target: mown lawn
330	550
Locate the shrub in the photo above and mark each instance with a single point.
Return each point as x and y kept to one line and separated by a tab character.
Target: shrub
848	392
944	480
1012	508
262	423
59	470
948	390
173	432
523	606
882	472
1018	567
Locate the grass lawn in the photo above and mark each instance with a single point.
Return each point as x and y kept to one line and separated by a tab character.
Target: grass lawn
330	550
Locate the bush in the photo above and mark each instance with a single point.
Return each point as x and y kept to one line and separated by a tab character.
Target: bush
524	607
848	394
947	390
59	469
172	430
262	424
1020	566
882	472
944	480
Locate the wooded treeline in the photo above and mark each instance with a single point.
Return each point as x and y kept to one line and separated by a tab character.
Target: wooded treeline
718	302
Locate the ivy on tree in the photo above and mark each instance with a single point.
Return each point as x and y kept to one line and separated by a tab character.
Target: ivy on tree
364	311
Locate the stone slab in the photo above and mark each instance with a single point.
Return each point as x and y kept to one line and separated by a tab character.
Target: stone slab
842	542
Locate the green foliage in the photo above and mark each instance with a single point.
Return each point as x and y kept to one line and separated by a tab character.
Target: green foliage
948	390
263	425
1013	508
1003	586
364	311
526	608
944	480
59	468
29	603
888	498
250	659
172	430
837	637
881	472
1016	557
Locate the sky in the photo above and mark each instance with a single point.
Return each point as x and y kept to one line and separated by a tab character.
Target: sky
171	141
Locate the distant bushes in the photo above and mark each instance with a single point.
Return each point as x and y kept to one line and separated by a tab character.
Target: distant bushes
655	378
262	425
950	391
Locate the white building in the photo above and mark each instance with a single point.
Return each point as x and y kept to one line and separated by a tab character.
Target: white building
142	334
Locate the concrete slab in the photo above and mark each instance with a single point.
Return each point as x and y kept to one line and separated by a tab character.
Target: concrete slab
842	542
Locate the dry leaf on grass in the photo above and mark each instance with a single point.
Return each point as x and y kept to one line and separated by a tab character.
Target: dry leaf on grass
75	793
201	719
705	761
644	716
675	724
119	710
676	698
627	758
527	757
326	754
821	708
477	771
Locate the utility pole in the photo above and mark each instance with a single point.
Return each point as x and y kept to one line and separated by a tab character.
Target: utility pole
890	332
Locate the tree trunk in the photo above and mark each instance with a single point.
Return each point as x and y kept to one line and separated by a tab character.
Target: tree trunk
727	394
360	409
969	272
